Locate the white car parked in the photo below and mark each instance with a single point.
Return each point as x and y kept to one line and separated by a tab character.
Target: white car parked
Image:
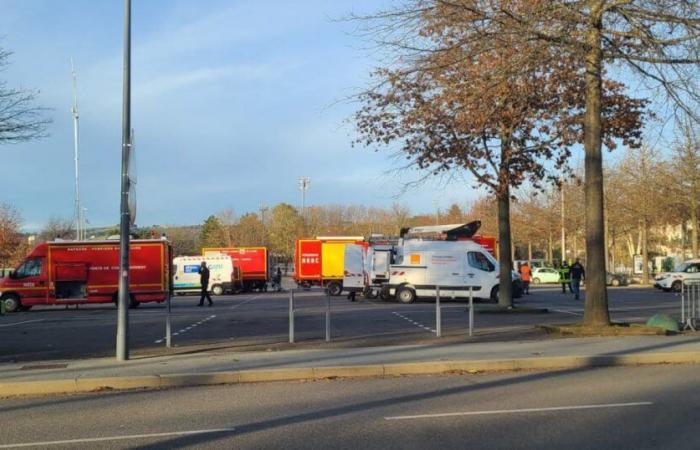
544	275
673	281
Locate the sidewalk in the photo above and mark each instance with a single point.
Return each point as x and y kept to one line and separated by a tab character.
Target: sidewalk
219	367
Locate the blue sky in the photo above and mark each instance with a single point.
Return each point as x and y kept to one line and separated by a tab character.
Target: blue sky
233	100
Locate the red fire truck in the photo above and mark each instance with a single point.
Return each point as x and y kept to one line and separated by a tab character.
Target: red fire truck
71	273
321	261
252	262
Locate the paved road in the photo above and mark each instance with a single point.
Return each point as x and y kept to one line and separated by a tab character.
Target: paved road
260	321
633	407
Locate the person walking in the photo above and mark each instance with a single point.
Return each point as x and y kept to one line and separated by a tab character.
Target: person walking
277	280
577	274
204	282
565	277
526	276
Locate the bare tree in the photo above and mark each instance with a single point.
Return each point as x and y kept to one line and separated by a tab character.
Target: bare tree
57	228
470	96
684	178
20	119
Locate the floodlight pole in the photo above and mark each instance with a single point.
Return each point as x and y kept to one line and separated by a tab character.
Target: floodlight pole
79	233
304	183
125	220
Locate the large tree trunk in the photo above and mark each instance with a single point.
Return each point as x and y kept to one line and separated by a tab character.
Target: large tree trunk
596	311
505	291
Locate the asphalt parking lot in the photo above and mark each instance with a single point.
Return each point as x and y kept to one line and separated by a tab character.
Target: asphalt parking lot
261	321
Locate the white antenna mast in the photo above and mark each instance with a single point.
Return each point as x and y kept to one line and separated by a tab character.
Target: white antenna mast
79	232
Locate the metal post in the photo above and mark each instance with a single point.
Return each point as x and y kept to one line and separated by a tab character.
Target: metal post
328	316
125	221
438	313
471	311
683	295
76	158
291	316
168	327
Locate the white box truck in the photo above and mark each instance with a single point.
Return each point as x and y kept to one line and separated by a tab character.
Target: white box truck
186	274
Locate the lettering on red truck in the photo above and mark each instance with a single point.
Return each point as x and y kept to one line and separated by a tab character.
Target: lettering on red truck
87	272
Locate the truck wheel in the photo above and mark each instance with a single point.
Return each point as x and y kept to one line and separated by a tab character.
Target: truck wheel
677	286
217	289
406	295
334	288
494	294
12	303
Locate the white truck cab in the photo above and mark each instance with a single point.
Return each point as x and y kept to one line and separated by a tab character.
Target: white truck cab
453	266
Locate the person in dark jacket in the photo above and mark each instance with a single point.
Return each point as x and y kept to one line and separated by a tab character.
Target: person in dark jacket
204	282
577	274
565	277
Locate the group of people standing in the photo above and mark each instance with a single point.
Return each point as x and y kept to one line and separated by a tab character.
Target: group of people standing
569	275
572	276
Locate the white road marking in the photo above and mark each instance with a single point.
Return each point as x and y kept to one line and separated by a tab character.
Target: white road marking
574	313
20	323
519	411
117	438
247	301
184	330
419	325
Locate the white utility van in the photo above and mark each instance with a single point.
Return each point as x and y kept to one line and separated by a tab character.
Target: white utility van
454	266
186	270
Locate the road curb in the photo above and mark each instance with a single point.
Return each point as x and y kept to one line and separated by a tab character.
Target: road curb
83	385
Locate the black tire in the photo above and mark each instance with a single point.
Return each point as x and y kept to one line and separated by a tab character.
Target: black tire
535	281
217	289
12	303
335	288
615	282
405	295
494	294
677	286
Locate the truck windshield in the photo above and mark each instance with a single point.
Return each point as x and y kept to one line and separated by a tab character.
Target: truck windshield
479	261
30	268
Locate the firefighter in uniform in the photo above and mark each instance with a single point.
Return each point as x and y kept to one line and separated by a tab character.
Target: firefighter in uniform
565	277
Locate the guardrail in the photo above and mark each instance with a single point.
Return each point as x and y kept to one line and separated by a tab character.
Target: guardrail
690	304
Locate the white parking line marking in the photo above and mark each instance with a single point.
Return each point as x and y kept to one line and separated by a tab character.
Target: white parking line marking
186	329
519	411
20	323
118	438
247	301
419	325
574	313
